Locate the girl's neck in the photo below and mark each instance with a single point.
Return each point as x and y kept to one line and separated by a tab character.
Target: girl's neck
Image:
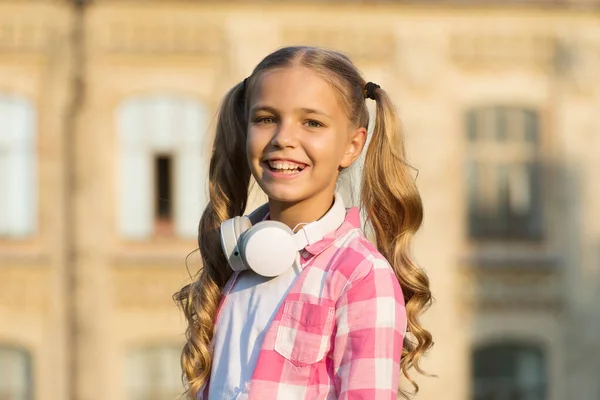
305	211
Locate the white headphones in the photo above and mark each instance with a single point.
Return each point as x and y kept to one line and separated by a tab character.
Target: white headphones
270	248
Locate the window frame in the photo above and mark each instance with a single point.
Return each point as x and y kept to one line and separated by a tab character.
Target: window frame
149	353
19	147
148	125
506	350
495	153
28	391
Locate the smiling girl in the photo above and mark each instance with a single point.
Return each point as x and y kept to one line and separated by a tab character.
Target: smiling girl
293	302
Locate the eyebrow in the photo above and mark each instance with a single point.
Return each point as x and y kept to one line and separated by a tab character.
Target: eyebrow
275	111
257	108
313	111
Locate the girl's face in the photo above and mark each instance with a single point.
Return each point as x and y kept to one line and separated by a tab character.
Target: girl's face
299	136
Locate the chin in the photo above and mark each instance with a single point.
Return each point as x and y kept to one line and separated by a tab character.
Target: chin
284	194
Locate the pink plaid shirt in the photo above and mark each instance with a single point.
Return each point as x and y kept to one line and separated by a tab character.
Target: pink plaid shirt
339	331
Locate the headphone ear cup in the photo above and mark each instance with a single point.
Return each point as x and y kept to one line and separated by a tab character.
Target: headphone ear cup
268	248
230	232
242	226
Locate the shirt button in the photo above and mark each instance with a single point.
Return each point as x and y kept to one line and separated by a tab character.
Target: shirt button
305	254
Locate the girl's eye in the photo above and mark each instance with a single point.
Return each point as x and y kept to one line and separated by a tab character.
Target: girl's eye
313	124
265	120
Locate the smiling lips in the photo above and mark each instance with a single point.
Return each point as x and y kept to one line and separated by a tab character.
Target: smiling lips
285	166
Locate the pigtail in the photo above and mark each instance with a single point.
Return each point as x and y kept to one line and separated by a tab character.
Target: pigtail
395	212
229	179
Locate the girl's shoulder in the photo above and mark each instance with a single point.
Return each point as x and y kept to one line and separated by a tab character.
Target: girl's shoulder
353	258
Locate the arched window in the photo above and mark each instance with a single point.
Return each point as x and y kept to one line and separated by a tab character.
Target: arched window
162	169
18	180
154	373
509	371
504	173
15	374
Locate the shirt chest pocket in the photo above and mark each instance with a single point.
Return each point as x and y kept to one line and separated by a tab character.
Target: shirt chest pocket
304	333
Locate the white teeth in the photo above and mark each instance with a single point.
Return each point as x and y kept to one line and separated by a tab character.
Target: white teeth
285	166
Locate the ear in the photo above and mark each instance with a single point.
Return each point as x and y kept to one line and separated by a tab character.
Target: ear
355	145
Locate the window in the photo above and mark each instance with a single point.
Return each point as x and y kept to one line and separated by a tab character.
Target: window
162	168
154	373
509	372
18	182
503	174
163	181
15	374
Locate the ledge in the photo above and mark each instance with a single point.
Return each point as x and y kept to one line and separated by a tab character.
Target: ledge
514	262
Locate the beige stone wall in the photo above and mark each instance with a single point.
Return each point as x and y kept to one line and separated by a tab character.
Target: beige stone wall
436	62
34	63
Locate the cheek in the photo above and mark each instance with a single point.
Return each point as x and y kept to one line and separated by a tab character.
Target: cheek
336	148
253	145
327	153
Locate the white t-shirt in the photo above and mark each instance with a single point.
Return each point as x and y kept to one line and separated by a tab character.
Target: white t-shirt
243	321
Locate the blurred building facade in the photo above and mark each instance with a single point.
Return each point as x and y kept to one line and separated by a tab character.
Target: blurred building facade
106	116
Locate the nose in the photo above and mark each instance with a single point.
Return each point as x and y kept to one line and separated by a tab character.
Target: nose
284	136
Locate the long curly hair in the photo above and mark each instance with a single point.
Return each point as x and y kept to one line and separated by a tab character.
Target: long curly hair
389	197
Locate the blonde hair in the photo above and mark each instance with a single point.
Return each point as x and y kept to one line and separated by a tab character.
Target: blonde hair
388	195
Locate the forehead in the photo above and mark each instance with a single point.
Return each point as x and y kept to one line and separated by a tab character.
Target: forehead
295	87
